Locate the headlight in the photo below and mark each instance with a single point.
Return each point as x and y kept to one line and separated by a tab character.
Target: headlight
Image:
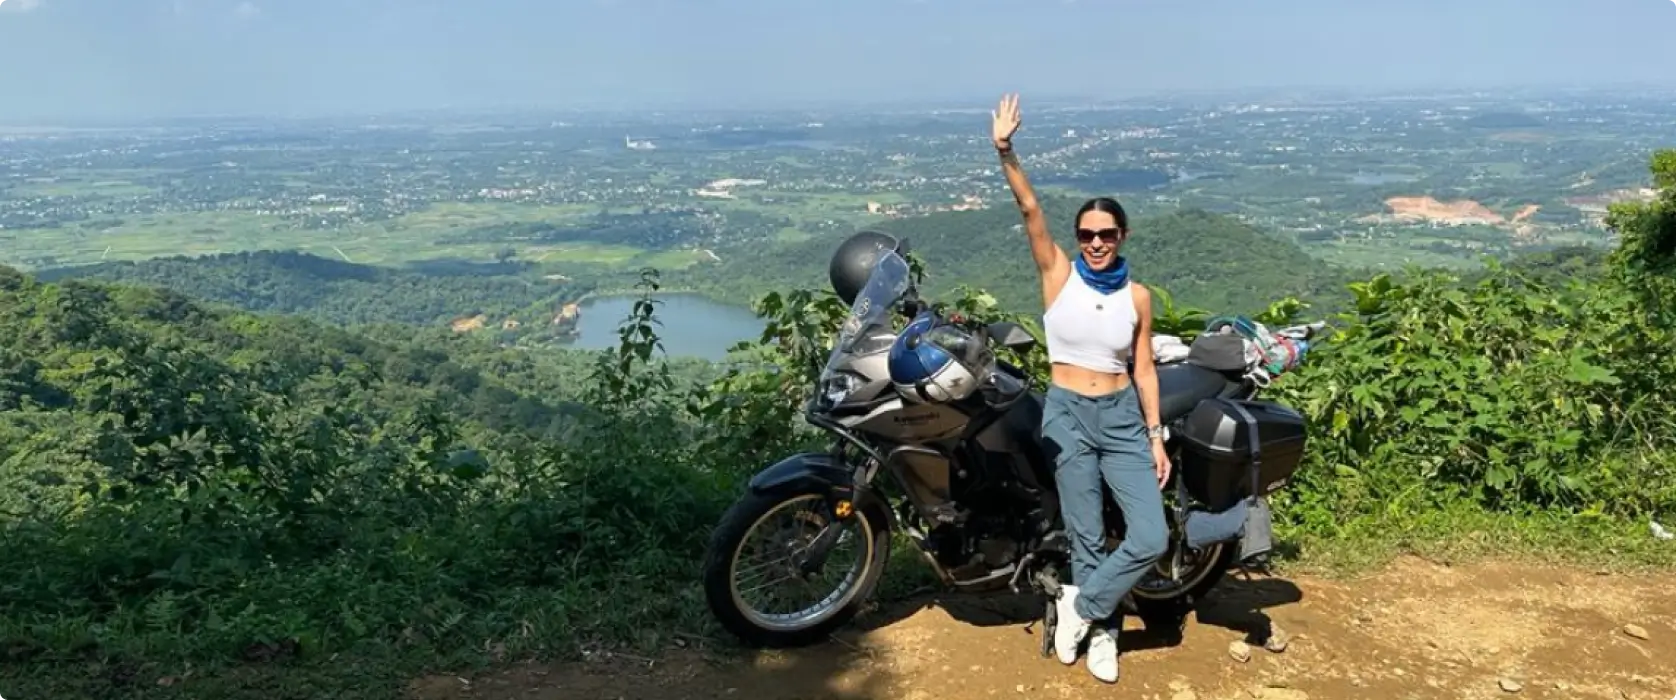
837	386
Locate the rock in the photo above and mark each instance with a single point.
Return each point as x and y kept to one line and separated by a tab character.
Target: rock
1636	631
1279	694
1511	686
1277	641
1239	651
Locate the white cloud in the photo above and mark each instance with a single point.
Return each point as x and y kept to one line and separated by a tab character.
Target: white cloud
247	10
20	5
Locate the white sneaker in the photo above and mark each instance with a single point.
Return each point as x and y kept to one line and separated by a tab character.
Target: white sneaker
1102	655
1070	628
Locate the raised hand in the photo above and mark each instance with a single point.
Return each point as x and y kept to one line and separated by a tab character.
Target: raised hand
1005	121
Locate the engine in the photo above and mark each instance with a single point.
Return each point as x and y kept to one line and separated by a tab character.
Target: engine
967	509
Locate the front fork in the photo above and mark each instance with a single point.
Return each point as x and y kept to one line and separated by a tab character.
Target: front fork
840	508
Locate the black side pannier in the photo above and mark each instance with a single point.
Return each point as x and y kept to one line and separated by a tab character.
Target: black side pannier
1235	449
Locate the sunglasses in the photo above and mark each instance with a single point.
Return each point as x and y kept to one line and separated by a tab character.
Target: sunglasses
1109	235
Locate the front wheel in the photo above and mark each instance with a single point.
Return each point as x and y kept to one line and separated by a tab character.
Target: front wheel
759	556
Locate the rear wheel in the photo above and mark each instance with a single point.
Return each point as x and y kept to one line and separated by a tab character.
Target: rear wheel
1172	589
755	568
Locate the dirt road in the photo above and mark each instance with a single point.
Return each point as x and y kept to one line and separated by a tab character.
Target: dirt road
1415	630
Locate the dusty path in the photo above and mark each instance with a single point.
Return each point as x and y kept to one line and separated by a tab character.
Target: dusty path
1416	630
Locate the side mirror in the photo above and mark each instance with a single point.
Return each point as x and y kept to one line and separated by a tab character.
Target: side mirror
1012	336
911	305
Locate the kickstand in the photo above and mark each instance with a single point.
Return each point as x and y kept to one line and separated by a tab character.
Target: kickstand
1050	622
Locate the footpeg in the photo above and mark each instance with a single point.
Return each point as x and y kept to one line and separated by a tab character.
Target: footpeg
1128	603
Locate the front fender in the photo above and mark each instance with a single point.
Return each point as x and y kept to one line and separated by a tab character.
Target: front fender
819	472
805	471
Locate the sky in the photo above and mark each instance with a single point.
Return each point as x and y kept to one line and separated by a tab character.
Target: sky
104	59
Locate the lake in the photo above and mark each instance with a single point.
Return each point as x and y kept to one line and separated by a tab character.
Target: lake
689	324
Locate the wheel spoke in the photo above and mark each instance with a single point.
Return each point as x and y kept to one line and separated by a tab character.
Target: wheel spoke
775	577
760	567
775	582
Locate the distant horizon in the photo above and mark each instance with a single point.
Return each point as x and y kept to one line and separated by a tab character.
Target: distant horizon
141	61
1323	93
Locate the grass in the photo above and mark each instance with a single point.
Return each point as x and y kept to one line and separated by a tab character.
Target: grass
810	207
1461	532
669	259
1451	534
413	236
450	216
153	235
407	238
65	185
792	235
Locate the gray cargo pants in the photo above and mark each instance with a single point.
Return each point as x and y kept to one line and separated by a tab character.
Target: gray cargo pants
1103	438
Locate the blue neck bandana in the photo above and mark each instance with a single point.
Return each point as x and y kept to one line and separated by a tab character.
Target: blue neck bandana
1105	281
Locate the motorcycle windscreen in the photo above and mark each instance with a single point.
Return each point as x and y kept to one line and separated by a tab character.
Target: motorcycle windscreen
872	306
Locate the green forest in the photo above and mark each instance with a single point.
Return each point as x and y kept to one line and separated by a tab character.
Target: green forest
201	501
1205	260
346	293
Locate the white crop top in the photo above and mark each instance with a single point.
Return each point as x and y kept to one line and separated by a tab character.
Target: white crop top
1089	329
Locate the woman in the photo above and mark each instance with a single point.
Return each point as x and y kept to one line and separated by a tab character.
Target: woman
1092	425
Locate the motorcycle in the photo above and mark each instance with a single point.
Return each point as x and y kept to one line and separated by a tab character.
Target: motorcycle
971	486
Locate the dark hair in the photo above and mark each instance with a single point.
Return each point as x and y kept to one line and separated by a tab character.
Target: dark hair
1107	205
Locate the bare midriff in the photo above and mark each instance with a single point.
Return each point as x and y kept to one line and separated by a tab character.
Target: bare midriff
1086	381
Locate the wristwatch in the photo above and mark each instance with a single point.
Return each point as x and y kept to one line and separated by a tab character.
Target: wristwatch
1155	432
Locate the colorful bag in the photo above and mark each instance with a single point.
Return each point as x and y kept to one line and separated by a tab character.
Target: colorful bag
1268	353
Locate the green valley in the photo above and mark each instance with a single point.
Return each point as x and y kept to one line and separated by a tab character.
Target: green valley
202	502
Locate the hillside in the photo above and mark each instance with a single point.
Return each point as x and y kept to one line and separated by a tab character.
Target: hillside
1206	260
81	354
346	293
205	503
183	467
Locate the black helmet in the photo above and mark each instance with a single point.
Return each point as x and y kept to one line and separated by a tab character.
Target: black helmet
853	262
